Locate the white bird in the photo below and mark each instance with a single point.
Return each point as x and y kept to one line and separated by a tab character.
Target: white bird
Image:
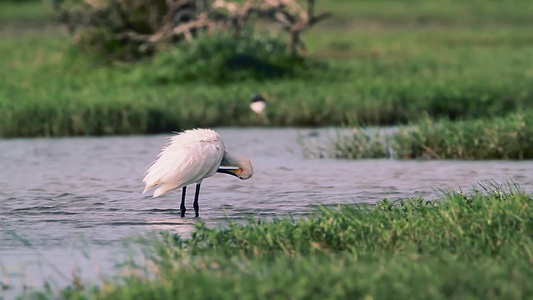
189	157
258	105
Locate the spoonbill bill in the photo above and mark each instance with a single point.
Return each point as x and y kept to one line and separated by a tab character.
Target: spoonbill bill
189	157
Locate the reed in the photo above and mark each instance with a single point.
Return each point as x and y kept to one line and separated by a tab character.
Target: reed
509	137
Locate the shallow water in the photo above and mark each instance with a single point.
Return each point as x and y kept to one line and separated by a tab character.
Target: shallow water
64	195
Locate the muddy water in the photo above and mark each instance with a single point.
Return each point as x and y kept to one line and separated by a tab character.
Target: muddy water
62	197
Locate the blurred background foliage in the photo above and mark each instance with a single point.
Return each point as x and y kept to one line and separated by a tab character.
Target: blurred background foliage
132	29
372	62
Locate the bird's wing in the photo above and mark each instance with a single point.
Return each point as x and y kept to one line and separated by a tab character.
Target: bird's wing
184	164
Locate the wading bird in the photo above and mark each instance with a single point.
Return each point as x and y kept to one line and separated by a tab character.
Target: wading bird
189	157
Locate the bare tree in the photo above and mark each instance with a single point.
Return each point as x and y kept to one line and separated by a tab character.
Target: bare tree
168	21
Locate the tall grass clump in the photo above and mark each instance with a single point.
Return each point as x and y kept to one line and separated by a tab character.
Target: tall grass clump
477	246
509	137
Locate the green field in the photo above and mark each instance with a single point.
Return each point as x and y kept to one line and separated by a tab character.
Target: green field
465	247
388	62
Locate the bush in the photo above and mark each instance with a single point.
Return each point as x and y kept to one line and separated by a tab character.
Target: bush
115	30
132	29
221	58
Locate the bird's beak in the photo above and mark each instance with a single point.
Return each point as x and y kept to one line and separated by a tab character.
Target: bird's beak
235	171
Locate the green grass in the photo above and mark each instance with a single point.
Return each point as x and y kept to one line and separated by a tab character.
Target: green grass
20	12
462	247
509	137
383	74
431	13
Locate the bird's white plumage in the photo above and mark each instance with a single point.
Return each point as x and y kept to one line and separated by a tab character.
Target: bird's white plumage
188	157
258	107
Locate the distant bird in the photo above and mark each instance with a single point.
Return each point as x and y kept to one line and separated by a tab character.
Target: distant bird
189	157
258	104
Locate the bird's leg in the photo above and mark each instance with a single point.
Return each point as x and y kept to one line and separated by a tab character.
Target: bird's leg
182	206
195	205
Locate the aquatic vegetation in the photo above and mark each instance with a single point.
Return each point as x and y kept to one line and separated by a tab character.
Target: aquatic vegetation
509	137
462	246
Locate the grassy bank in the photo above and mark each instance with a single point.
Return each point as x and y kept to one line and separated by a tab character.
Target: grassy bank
478	246
385	67
509	137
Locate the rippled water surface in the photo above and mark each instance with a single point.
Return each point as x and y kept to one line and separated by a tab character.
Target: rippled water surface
58	196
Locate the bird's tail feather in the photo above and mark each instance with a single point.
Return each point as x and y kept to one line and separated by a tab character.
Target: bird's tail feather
164	188
149	186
